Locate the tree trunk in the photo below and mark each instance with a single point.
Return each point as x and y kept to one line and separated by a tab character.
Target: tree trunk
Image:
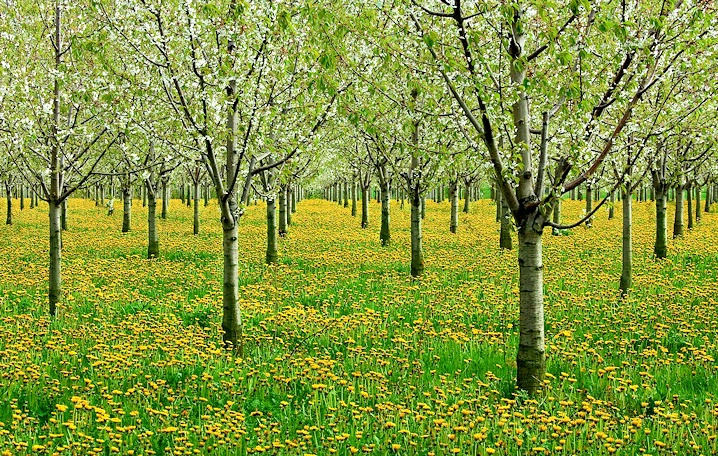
271	231
165	200
126	208
55	279
195	221
627	250
423	207
499	197
293	198
454	197
556	216
698	203
22	197
660	248
678	220
589	205
611	212
505	234
8	195
289	203
709	199
231	315
354	199
467	199
384	233
153	242
531	357
346	194
282	211
689	203
417	249
63	215
365	207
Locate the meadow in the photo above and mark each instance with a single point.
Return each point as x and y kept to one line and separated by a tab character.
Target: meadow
346	354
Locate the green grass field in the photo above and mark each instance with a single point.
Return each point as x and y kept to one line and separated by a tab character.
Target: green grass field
345	354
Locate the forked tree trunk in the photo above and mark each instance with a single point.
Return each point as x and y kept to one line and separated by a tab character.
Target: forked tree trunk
126	208
271	231
282	211
384	233
454	197
531	357
195	218
55	279
678	220
365	207
660	247
627	250
153	241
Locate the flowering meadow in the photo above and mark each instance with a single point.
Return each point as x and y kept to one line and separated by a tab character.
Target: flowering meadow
345	353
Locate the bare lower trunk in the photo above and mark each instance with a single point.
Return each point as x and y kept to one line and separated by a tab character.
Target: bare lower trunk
290	204
293	198
153	242
505	235
611	212
689	203
467	199
660	248
346	194
423	207
195	222
126	209
709	199
384	233
698	204
417	250
531	357
271	231
627	251
499	197
454	197
165	200
63	215
282	211
354	199
22	197
589	205
55	279
365	207
231	315
8	196
678	220
556	216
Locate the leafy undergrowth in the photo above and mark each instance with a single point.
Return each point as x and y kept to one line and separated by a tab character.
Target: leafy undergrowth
344	353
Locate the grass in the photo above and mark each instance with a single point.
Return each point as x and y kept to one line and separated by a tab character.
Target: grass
345	353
